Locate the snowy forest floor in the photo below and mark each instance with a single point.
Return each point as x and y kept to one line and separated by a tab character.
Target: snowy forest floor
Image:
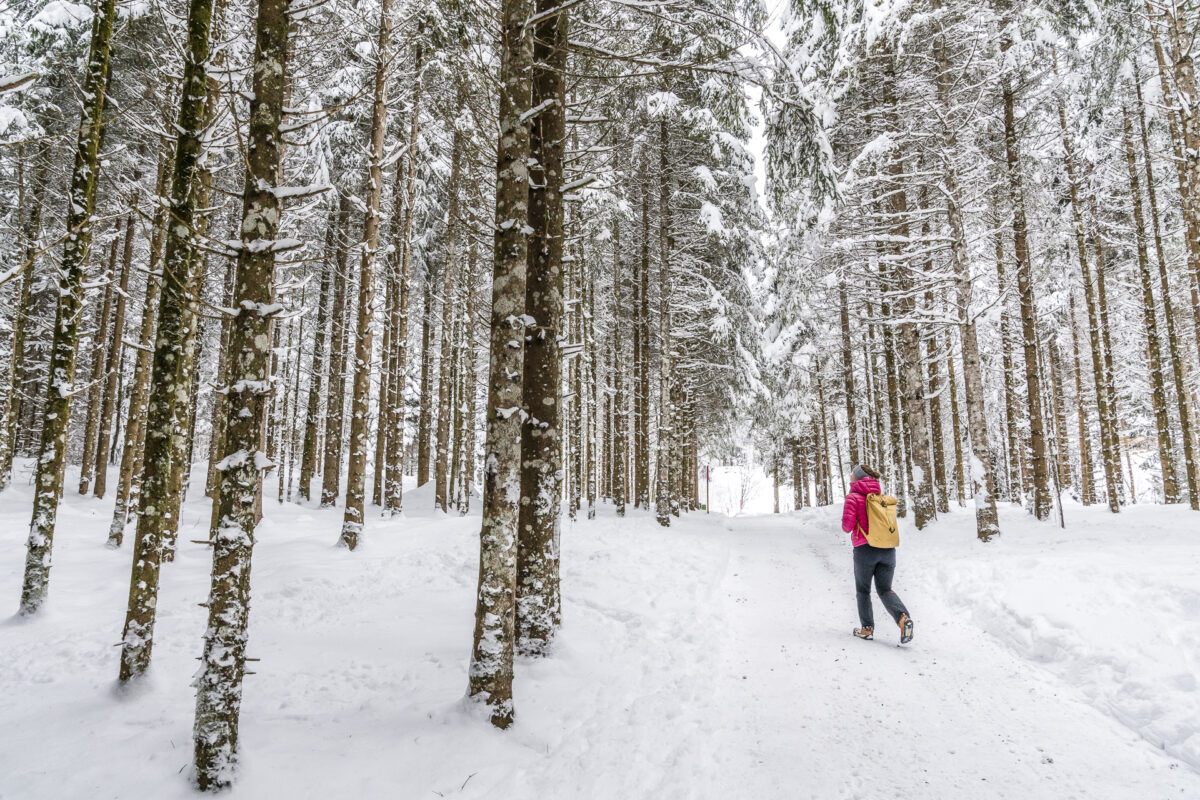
710	660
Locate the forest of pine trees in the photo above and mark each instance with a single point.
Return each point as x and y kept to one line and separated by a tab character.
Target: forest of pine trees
999	299
273	251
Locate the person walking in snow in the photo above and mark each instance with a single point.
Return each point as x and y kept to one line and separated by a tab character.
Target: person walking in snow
869	517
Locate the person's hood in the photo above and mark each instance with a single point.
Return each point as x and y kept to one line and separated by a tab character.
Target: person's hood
866	486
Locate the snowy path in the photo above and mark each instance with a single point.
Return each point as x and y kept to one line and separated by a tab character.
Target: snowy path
711	660
820	714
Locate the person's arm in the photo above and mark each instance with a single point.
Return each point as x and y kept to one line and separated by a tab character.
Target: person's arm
849	513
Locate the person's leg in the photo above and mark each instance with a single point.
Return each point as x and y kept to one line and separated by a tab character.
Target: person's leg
864	565
885	570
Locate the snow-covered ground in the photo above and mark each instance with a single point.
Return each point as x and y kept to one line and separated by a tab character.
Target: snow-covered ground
710	660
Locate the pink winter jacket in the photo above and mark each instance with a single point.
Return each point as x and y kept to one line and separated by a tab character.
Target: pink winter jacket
854	513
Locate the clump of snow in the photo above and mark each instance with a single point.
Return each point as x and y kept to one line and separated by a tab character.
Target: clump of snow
60	15
711	217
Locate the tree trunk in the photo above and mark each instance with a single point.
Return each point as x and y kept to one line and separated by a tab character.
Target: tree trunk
1158	394
385	388
135	426
449	283
99	348
1014	451
223	663
312	415
52	450
848	373
960	477
112	369
911	361
1041	481
1173	348
591	379
539	603
642	397
620	415
491	668
425	404
938	455
982	491
471	380
219	414
356	472
168	393
666	411
335	402
1107	434
18	382
1109	373
1181	36
896	463
400	264
1087	490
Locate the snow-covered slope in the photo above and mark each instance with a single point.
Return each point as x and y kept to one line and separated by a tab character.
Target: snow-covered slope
711	660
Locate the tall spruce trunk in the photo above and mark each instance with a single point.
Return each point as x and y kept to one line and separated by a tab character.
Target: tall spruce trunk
960	477
335	400
895	469
591	381
312	413
400	264
1108	439
442	475
219	414
112	367
1181	36
1053	363
425	401
666	408
99	348
642	357
1013	451
1158	394
1183	407
356	471
386	390
56	413
539	603
491	669
936	437
11	403
135	425
167	392
1024	269
1087	487
470	380
1109	371
848	372
223	662
1188	201
908	335
575	409
982	491
620	416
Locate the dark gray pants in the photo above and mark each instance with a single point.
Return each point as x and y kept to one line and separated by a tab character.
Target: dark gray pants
879	563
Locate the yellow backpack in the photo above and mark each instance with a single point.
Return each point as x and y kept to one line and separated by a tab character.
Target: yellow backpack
882	528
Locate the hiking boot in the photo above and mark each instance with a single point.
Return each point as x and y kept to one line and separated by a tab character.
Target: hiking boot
864	633
906	629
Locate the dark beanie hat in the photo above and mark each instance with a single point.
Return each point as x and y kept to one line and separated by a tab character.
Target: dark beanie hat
861	471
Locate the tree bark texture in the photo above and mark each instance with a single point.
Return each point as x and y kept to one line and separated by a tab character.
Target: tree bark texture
52	449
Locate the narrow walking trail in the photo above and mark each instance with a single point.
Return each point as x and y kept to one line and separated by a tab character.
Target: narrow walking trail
709	660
